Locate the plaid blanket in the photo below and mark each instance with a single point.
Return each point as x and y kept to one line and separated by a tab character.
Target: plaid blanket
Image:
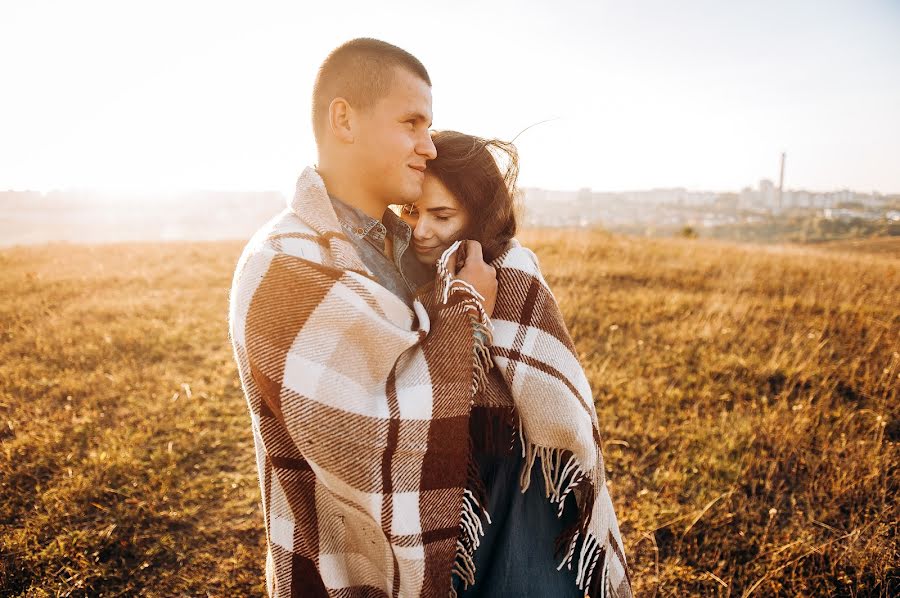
359	408
541	378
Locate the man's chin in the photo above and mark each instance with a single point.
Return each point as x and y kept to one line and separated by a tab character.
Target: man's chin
411	194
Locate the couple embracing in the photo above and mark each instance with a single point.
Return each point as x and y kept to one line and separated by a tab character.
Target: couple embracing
421	421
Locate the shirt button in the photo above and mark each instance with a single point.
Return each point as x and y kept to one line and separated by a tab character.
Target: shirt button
359	230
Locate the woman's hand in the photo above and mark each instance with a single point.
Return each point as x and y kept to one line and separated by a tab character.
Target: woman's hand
475	271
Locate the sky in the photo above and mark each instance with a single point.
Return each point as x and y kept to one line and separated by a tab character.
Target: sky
183	95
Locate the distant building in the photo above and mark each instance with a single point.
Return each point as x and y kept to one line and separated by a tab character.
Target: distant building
535	194
801	199
768	193
748	199
726	201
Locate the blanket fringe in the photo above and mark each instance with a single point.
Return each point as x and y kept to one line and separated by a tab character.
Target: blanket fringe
591	554
559	478
482	328
471	527
563	475
483	361
469	540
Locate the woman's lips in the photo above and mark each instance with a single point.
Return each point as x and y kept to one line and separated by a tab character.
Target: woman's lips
423	248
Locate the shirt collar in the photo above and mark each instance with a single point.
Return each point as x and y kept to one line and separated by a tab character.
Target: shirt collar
396	226
356	222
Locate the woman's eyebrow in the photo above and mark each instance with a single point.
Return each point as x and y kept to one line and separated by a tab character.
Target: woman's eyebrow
441	209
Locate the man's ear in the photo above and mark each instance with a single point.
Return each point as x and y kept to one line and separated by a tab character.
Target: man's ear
340	119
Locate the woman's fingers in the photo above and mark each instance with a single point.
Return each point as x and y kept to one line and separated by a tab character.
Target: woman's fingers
451	263
482	276
473	250
461	253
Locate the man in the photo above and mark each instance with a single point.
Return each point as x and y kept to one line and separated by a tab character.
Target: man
359	400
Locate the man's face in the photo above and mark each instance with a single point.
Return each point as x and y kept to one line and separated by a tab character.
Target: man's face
393	141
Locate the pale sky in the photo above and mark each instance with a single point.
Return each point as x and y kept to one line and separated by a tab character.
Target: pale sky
215	94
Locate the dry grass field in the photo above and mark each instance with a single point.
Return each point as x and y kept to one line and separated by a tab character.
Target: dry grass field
748	398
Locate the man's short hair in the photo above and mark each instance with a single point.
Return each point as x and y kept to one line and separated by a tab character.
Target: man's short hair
360	71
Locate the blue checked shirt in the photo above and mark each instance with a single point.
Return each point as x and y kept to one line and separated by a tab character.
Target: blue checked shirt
401	275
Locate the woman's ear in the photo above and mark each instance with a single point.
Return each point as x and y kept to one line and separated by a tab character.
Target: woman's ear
340	119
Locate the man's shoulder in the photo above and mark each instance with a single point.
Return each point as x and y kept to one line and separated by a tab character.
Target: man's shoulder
283	235
287	234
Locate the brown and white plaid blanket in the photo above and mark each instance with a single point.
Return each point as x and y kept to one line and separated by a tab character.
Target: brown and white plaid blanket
542	379
360	413
359	408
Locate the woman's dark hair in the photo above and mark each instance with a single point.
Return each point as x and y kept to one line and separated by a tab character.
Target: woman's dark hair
468	167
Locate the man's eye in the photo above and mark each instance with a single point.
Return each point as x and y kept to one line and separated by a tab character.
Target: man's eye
443	218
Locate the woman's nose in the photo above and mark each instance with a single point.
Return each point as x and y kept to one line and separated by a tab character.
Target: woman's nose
421	230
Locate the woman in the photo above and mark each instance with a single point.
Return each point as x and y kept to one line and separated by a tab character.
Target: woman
536	473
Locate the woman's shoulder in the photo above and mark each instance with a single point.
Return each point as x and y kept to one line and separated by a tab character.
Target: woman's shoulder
517	256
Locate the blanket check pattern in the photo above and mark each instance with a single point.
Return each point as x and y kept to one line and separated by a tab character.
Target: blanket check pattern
543	379
359	409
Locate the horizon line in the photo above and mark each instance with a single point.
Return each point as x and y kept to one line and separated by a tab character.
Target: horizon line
186	190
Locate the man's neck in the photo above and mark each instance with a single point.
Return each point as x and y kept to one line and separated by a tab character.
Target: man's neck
348	190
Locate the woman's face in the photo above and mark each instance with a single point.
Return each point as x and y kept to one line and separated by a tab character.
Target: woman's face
437	220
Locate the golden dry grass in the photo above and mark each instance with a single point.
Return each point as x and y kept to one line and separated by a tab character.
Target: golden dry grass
747	396
884	246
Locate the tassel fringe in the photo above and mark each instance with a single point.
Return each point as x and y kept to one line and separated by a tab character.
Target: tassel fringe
471	527
469	540
482	360
559	479
481	322
562	476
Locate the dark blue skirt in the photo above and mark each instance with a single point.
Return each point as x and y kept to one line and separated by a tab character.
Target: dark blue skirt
516	557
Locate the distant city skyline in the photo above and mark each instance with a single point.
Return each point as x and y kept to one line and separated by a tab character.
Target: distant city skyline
700	95
110	192
34	217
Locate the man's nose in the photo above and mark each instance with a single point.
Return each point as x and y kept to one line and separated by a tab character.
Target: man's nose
426	147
